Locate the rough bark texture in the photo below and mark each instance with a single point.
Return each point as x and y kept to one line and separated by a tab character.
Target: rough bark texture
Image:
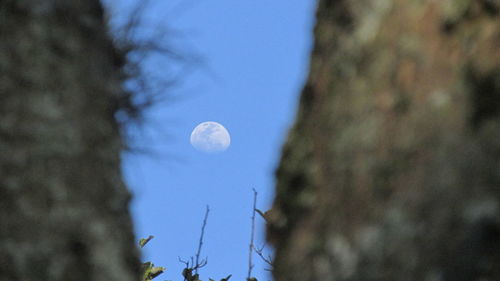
63	206
392	169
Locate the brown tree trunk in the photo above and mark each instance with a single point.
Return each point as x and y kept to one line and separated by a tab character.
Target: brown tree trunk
392	170
63	206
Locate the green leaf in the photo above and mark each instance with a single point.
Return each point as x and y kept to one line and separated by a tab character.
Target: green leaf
144	241
155	271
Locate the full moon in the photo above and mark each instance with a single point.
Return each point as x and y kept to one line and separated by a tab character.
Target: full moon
210	137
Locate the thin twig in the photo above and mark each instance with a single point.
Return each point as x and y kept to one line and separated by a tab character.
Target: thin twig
251	246
200	244
183	261
268	259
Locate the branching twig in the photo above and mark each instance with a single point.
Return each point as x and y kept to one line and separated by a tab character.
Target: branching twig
194	263
252	234
200	244
140	46
268	259
186	263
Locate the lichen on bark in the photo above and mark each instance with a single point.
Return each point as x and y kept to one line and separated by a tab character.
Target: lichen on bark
63	206
391	169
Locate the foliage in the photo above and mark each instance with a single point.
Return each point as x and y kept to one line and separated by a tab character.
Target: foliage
149	271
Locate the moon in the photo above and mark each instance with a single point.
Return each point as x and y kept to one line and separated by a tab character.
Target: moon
210	137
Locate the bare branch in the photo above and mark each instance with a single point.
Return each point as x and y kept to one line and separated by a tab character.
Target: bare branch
197	263
252	234
141	46
260	253
190	272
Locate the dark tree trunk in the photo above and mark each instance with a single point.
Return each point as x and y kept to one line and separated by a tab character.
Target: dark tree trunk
392	170
63	206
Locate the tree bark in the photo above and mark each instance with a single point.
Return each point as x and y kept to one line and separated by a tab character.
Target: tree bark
63	205
392	169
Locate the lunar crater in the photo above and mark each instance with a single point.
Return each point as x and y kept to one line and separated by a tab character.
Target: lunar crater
210	137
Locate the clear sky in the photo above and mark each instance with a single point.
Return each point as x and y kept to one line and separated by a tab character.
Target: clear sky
255	62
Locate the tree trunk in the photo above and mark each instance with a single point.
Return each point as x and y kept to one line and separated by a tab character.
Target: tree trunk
392	169
63	206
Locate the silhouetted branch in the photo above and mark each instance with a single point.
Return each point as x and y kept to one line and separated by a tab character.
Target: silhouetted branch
252	234
200	244
140	47
268	259
190	272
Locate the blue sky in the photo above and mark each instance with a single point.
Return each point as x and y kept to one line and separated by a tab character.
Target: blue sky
255	62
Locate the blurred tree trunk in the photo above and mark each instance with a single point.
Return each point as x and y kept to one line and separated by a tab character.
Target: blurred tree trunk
392	169
63	206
